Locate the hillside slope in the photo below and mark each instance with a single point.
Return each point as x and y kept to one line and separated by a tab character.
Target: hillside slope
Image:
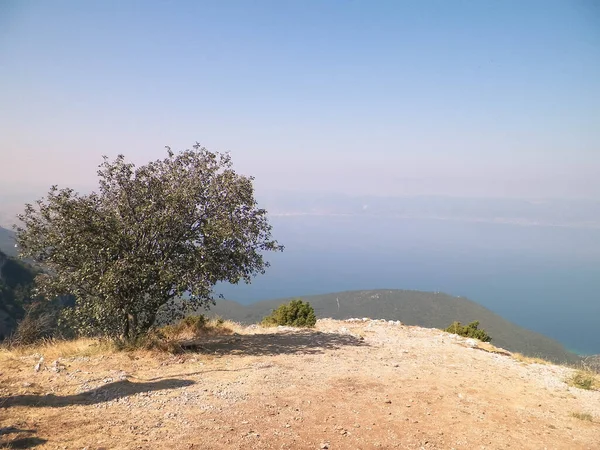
16	279
7	242
344	385
425	309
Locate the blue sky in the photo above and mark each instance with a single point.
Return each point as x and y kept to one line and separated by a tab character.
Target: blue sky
464	98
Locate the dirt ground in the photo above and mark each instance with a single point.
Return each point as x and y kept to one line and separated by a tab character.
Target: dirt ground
345	385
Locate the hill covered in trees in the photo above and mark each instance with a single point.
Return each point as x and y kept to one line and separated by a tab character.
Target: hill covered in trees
425	309
19	305
16	280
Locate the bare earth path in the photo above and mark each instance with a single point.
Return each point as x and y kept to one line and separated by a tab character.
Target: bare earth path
345	385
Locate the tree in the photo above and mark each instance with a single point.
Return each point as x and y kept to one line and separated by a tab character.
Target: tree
149	235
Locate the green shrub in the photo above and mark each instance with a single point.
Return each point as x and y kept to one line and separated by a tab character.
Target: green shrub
470	330
296	314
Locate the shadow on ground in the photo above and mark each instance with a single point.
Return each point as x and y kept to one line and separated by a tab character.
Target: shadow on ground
19	441
25	442
105	393
297	342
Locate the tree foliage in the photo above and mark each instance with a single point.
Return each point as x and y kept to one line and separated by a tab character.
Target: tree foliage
295	313
470	330
147	236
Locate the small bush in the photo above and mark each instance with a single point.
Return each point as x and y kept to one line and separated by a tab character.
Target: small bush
295	314
471	331
36	325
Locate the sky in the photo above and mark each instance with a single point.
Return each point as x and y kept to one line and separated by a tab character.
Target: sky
391	98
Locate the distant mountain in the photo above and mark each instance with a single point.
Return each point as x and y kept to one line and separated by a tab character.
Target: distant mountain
426	309
550	212
7	242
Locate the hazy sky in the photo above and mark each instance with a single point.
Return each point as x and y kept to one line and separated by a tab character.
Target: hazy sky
478	98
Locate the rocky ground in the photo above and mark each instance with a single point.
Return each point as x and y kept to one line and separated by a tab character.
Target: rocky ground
345	385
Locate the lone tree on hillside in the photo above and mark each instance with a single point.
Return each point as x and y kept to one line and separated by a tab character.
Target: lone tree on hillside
149	235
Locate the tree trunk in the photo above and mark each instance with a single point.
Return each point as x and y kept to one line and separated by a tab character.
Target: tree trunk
126	330
132	328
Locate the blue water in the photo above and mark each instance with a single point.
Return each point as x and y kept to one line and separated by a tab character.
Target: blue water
543	278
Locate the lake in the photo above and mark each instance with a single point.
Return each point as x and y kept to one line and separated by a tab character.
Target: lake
543	278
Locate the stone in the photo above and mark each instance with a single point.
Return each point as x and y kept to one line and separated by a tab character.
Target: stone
38	366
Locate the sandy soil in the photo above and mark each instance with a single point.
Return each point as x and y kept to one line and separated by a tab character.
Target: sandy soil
344	385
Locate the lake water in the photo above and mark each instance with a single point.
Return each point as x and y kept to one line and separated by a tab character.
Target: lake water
543	278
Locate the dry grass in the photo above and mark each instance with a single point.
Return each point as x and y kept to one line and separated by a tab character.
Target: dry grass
172	338
165	339
53	349
529	359
487	347
584	379
193	327
583	416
